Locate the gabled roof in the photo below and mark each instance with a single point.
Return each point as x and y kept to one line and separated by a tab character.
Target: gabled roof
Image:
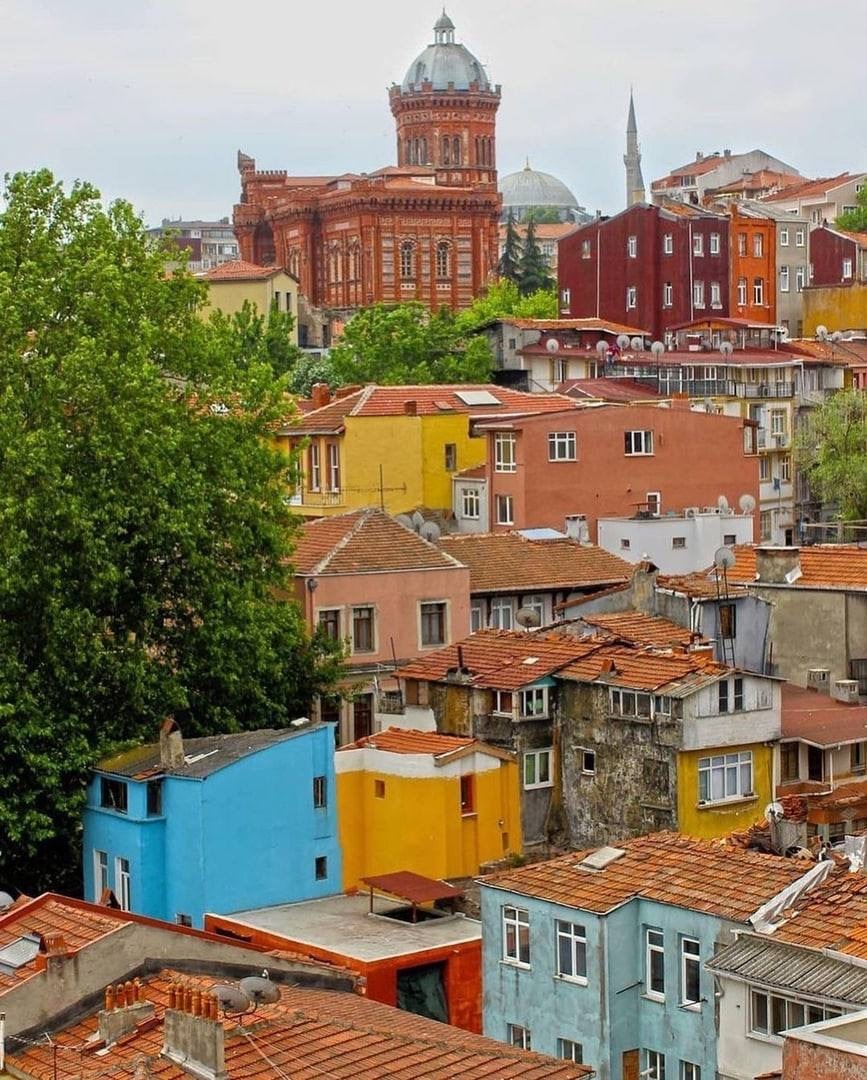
509	562
700	875
608	389
641	629
306	1033
809	188
820	719
699	586
602	326
238	270
364	542
833	915
823	566
670	671
433	743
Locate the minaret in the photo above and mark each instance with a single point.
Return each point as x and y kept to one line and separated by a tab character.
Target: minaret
632	160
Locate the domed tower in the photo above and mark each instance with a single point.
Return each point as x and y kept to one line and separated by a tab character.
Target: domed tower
530	189
445	110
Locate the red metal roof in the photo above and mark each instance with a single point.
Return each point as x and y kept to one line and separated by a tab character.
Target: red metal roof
414	888
614	389
820	719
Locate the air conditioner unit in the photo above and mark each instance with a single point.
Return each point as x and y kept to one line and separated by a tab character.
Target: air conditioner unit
817	678
846	690
691	512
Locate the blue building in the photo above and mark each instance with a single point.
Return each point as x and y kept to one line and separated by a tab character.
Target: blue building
599	956
217	824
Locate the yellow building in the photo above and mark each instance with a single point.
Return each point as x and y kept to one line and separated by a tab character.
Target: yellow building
235	283
397	447
836	307
718	819
438	805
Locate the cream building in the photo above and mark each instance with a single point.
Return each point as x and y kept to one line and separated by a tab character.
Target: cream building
234	283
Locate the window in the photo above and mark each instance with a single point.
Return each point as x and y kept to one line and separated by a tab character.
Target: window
799	237
771	1014
468	799
714	243
784	237
678	541
321	867
800	278
784	279
667	244
858	758
433	623
725	776
758	291
329	623
182	919
443	259
632	246
570	1051
742	291
571	951
516	935
698	244
766	522
758	245
502	612
363	637
654	1065
689	1071
779	425
654	963
588	762
112	794
690	972
450	457
470	503
667	294
562	446
519	1036
728	623
379	789
786	469
729	539
504	452
100	874
537	769
653	502
847	268
315	467
638	442
320	792
625	543
698	293
533	702
503	705
407	259
565	298
505	510
122	884
333	467
477	617
631	297
764	469
585	249
742	243
630	703
155	798
715	294
790	766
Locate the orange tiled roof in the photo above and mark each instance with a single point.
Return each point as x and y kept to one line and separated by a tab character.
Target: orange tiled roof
669	671
238	270
601	325
506	562
608	389
408	741
307	1034
364	541
833	915
698	586
702	875
823	566
641	629
811	187
820	719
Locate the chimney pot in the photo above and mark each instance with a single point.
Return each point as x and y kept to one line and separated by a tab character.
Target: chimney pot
109	998
171	745
120	995
320	395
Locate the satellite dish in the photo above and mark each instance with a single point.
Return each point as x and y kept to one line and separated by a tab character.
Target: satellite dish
657	348
784	337
417	521
260	990
821	332
623	341
836	336
747	503
300	721
231	999
849	335
723	558
430	531
726	348
774	811
552	345
406	521
528	617
602	347
722	502
6	901
637	344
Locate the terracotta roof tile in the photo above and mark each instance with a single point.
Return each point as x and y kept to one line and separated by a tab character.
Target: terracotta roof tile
812	187
407	741
600	325
641	629
823	566
238	270
615	389
506	562
698	586
431	400
666	671
820	719
364	541
701	875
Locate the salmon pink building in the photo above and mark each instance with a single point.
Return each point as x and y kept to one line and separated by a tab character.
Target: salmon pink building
614	461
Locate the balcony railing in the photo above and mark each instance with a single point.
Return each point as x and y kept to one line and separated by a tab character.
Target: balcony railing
323	498
765	390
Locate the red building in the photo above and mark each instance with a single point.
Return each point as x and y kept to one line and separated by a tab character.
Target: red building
615	460
424	230
648	266
837	257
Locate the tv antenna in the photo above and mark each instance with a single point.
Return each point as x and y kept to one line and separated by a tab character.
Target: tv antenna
723	561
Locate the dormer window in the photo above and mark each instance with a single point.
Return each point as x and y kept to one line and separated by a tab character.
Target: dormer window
113	794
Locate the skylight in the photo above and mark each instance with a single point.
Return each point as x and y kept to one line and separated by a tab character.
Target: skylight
477	397
602	857
19	952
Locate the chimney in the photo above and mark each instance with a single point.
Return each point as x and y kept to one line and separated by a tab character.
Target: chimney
576	528
171	745
410	408
845	690
193	1036
727	153
778	565
53	950
679	400
699	156
125	1008
320	395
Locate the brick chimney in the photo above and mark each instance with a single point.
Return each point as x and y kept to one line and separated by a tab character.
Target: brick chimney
410	408
320	395
125	1008
193	1035
171	745
53	951
778	565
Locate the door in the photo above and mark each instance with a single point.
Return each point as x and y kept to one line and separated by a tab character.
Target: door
815	770
630	1065
422	990
362	716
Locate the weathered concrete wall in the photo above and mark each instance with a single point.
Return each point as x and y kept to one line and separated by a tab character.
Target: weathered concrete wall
809	1061
796	646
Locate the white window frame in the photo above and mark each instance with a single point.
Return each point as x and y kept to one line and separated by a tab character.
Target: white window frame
690	956
758	245
714	243
477	616
668	294
638	443
505	445
315	467
758	292
800	237
536	764
502	606
800	278
333	468
569	1050
505	508
668	244
784	237
654	1065
101	873
471	503
562	446
500	699
575	937
519	1036
715	294
732	767
566	297
631	297
784	279
586	249
698	244
847	269
698	294
690	1071
653	947
632	247
538	699
743	286
535	602
123	882
791	1006
516	920
653	499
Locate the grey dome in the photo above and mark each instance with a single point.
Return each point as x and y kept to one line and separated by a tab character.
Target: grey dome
531	188
445	62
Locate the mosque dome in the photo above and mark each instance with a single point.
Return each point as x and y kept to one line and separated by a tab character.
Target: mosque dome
445	62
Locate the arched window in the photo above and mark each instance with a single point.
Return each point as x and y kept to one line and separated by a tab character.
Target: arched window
478	150
415	152
407	259
407	151
443	252
456	150
423	158
446	151
354	263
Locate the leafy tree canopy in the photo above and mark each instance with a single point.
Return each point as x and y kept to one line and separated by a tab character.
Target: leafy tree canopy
503	299
255	338
534	272
144	533
542	215
855	220
832	450
392	344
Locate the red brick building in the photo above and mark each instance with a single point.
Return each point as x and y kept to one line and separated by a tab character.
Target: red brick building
837	257
423	230
648	266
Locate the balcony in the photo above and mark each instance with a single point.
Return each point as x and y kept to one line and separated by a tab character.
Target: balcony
764	390
322	498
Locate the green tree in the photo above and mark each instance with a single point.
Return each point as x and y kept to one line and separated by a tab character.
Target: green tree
510	261
534	273
253	338
392	344
311	368
831	448
855	220
503	299
542	215
144	532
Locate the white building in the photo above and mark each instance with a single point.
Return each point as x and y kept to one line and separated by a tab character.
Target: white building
676	543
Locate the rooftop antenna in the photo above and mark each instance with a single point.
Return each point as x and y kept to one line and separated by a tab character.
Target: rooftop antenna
723	559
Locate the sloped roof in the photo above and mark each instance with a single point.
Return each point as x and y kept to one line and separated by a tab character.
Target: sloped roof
509	562
670	671
601	325
307	1033
700	875
364	541
699	586
408	741
809	188
640	629
820	719
833	915
238	270
611	389
823	566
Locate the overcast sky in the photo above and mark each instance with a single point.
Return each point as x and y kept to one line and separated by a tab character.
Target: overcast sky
150	99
